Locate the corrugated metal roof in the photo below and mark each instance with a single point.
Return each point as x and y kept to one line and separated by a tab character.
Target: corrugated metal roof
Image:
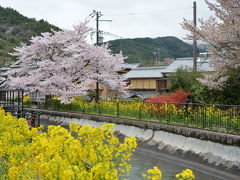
205	66
130	66
156	71
188	63
146	72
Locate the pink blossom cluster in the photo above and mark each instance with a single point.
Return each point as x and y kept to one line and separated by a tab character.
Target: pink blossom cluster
221	35
62	63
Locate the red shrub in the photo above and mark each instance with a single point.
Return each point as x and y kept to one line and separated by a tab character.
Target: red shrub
177	97
154	105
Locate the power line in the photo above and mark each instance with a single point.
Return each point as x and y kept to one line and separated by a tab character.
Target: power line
107	33
148	12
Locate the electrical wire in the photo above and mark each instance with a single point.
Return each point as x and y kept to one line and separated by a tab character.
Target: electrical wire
147	12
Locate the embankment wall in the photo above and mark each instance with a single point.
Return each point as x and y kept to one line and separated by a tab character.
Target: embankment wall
216	148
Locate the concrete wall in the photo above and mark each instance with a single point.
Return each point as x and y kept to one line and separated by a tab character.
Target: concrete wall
217	148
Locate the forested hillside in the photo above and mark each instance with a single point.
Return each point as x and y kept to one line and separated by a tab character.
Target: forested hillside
147	49
15	29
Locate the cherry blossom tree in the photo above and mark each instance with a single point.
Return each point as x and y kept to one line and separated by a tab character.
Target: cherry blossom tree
222	36
62	63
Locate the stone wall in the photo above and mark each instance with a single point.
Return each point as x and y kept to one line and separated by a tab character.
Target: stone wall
218	149
222	138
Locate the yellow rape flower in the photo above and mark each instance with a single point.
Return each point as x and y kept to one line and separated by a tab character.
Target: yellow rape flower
153	174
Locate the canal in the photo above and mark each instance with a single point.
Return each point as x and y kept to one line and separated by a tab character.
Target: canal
144	159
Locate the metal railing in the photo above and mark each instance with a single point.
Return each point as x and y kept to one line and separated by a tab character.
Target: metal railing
12	101
215	117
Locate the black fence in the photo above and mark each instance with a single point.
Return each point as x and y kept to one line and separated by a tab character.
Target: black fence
12	101
215	117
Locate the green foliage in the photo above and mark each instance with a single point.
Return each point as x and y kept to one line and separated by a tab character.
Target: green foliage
142	49
16	28
187	80
200	93
230	94
184	79
231	91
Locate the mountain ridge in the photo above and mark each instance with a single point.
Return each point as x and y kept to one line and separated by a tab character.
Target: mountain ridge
16	28
149	50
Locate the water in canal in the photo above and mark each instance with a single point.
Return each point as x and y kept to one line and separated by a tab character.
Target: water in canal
141	162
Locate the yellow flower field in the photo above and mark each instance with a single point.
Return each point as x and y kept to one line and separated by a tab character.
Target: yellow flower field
212	117
82	152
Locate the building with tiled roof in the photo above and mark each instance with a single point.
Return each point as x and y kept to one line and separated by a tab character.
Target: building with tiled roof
202	65
146	81
149	81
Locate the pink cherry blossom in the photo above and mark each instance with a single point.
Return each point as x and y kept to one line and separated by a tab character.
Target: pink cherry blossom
62	63
222	36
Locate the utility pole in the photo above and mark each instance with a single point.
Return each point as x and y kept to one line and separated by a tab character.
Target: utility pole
98	14
194	41
157	56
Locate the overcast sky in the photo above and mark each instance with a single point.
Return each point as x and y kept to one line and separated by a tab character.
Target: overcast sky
130	18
